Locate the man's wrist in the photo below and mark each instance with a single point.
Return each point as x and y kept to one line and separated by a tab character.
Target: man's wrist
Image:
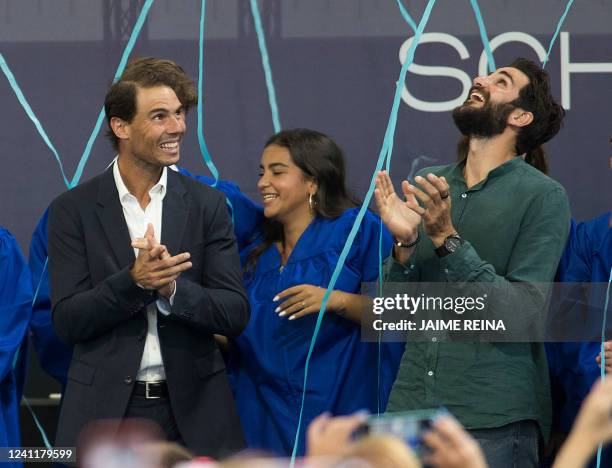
438	239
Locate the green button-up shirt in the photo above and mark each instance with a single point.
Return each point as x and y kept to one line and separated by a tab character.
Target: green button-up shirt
515	223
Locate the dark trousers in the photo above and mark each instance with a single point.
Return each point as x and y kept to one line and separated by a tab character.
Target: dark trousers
157	410
515	445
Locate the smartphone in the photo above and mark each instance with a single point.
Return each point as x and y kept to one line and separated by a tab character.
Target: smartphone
409	426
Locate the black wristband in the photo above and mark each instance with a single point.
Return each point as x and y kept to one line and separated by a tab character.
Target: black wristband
407	246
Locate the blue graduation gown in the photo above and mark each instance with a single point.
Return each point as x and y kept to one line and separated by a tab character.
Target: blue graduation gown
53	354
15	313
268	359
587	258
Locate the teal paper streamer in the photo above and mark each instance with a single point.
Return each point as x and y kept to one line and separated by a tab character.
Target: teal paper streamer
124	58
387	144
602	369
554	38
483	36
265	61
42	432
203	147
30	113
406	15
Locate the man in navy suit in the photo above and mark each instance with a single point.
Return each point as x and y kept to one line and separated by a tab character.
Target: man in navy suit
144	270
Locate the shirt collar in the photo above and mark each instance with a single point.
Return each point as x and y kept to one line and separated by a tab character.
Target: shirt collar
122	190
510	165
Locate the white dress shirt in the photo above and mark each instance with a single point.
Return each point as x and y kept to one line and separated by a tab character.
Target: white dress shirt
151	365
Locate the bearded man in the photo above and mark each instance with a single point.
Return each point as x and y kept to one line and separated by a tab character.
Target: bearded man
490	218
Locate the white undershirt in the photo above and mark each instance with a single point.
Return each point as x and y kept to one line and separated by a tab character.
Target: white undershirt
151	365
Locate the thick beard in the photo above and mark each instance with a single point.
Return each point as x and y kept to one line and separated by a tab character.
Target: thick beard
485	122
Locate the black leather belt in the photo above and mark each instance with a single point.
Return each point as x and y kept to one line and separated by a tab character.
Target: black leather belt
151	390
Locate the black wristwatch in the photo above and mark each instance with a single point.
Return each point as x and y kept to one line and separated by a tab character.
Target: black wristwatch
450	245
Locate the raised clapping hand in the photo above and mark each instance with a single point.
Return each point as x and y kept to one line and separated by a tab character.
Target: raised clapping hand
154	267
402	218
305	299
436	210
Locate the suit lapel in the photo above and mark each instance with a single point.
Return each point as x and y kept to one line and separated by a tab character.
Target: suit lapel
110	212
175	213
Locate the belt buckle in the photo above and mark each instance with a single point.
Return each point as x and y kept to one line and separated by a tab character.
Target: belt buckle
147	396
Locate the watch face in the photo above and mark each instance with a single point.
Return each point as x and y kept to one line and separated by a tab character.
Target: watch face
452	243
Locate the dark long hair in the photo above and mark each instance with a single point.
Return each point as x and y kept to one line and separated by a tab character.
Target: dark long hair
319	158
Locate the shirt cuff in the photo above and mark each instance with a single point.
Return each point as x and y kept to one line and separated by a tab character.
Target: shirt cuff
396	271
164	305
461	264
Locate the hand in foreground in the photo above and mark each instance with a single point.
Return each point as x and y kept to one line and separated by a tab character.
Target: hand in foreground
436	210
593	426
305	299
328	436
402	218
154	267
451	446
608	357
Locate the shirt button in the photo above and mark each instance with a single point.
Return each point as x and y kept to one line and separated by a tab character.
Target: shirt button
430	373
406	272
446	271
434	339
127	380
464	195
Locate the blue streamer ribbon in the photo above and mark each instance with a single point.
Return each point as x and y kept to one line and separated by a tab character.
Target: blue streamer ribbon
602	369
201	140
123	62
554	38
406	15
265	61
384	153
30	113
483	36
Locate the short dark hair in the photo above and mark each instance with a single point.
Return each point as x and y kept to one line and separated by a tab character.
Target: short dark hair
146	72
535	97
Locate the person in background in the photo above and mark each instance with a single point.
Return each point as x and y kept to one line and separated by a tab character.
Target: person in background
492	218
15	313
308	214
575	366
141	316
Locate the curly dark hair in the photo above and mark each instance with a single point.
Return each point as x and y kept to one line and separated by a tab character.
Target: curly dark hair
146	72
535	97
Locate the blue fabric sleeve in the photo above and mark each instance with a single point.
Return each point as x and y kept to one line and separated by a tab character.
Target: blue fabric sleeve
246	215
15	313
15	300
366	246
53	354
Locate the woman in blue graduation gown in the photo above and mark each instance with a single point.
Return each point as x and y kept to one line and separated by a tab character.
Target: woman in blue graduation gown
308	215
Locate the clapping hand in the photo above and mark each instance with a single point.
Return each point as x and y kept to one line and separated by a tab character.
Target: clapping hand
402	218
154	267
